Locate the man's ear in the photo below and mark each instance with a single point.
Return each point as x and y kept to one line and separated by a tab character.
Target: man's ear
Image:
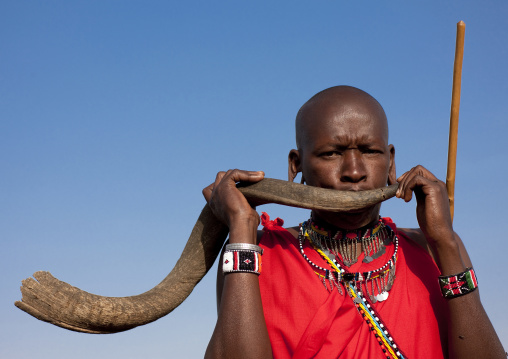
294	164
392	175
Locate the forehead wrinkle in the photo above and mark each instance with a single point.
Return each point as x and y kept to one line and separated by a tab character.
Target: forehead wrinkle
362	139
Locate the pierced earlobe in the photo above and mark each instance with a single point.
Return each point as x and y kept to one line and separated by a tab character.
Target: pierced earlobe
392	173
291	175
302	180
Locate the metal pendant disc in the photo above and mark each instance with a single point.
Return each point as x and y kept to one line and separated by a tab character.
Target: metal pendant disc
379	253
329	254
367	259
382	296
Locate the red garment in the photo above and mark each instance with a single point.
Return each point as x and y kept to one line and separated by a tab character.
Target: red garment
305	320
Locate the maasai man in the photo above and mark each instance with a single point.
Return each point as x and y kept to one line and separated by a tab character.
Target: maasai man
346	285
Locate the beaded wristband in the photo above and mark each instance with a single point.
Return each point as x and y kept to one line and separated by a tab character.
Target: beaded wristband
459	284
243	258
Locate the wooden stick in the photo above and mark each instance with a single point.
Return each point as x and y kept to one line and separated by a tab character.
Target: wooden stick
454	114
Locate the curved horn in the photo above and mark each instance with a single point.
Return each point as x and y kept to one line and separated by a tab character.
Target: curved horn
61	304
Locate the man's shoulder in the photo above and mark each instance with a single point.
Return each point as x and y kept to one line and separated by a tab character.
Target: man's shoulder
291	230
416	236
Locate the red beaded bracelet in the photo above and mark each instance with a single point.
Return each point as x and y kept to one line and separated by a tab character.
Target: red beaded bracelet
459	284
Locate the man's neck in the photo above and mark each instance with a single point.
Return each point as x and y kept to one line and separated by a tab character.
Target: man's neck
348	220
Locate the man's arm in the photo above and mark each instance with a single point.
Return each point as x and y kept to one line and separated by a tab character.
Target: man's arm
241	329
470	332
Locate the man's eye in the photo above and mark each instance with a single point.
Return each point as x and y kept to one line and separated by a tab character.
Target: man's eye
331	153
371	151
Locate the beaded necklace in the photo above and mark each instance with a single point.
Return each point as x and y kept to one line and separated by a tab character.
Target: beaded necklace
376	282
352	282
346	243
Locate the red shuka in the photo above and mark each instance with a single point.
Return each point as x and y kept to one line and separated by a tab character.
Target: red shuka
305	320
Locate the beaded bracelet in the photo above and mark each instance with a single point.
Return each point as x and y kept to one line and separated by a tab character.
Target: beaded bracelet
242	257
459	284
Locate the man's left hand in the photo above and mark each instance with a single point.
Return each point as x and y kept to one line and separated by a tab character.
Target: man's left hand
432	210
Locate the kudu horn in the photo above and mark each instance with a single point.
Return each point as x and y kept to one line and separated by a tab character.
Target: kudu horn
61	304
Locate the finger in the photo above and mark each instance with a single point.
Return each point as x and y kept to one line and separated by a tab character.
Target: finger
421	185
403	191
234	176
402	180
418	171
422	171
407	184
207	192
219	177
237	175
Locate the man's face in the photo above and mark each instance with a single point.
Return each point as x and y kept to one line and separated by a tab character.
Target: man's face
346	147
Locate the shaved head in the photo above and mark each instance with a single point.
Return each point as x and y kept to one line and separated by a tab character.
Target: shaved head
338	99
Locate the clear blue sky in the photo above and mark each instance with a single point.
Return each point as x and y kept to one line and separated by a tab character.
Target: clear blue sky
115	114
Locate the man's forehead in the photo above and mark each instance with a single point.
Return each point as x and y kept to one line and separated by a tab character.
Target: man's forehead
344	106
342	99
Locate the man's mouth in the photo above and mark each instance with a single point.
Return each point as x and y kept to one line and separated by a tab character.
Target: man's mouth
353	189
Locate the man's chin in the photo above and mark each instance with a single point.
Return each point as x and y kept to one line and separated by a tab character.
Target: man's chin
360	211
352	219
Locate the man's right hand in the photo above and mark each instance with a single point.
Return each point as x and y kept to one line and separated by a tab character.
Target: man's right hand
231	207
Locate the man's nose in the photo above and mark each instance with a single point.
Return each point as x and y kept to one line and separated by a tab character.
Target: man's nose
353	168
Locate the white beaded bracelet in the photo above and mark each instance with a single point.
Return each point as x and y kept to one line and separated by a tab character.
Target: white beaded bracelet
242	257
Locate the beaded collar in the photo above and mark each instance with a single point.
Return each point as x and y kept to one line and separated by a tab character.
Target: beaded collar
346	243
376	283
